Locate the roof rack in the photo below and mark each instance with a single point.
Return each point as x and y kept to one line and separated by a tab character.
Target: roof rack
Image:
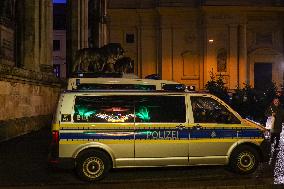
96	75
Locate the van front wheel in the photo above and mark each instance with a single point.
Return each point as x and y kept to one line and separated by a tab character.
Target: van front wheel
93	165
244	160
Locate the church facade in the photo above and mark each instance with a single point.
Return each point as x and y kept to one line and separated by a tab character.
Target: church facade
190	41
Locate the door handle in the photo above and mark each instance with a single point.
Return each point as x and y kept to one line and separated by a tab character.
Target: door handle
197	127
180	126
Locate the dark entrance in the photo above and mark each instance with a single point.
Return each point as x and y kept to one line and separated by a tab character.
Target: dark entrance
262	75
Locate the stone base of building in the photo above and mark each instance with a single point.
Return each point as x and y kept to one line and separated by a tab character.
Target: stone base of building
27	99
16	127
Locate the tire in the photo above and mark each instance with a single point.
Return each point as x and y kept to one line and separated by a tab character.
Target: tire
244	160
93	165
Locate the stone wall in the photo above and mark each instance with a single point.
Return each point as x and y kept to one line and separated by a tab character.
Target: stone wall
28	100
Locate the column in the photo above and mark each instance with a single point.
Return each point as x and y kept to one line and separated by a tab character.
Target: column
34	35
19	33
165	46
49	32
104	23
30	38
97	24
167	53
243	64
45	35
77	29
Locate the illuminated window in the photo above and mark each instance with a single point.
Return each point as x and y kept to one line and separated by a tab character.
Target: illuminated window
127	109
118	109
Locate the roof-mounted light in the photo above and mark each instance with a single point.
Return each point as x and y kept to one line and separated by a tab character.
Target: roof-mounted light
191	88
174	87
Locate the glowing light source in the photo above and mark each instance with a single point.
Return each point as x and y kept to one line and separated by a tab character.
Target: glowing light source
143	114
211	40
115	118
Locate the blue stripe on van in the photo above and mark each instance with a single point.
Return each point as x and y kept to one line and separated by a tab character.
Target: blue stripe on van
165	134
225	133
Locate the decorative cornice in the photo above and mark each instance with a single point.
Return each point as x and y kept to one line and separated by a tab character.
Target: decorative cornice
12	73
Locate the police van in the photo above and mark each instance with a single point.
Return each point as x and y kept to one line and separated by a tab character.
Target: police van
94	131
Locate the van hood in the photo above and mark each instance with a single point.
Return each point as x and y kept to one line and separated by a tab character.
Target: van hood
253	124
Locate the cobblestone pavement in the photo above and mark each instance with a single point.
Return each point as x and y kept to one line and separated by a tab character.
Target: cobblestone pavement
23	164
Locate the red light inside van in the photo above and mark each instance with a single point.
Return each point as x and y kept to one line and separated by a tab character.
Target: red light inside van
55	137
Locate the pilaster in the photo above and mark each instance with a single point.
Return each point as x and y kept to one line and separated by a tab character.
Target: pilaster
233	54
243	64
77	28
45	37
167	53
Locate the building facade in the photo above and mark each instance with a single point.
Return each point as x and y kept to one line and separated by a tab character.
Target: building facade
189	40
28	88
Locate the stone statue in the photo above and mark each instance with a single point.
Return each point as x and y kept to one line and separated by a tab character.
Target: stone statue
98	59
124	65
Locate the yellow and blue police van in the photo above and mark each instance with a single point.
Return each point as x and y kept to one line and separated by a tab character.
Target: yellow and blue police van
96	130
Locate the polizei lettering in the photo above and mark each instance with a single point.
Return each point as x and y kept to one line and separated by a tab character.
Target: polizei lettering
162	135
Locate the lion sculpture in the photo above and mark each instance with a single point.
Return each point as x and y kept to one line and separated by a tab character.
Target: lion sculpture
98	59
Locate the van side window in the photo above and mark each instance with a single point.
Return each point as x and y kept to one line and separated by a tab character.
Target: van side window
161	109
107	109
208	110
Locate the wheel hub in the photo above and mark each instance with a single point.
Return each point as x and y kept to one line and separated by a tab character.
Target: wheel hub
246	161
93	167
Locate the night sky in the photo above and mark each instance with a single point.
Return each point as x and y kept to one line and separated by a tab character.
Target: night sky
59	1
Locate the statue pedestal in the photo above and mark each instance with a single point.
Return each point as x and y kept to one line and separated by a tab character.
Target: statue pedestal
6	45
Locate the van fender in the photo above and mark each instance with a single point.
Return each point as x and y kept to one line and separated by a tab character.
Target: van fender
95	145
241	142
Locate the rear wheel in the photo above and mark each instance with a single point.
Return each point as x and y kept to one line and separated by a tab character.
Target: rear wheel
244	160
93	165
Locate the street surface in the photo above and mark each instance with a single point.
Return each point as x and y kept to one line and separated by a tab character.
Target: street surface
23	164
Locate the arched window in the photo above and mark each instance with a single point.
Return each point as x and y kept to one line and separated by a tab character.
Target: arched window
222	60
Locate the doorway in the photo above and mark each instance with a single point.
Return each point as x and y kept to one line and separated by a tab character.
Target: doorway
262	75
